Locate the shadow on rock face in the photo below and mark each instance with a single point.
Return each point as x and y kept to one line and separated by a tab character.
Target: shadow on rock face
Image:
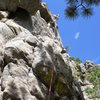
22	17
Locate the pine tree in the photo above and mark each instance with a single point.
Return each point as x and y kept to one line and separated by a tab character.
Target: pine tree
80	7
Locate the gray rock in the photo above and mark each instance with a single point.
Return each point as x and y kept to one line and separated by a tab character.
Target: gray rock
30	52
89	65
3	14
6	32
11	5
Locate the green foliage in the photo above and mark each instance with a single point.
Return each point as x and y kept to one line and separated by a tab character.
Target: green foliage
94	78
78	60
73	58
71	12
89	90
94	75
80	7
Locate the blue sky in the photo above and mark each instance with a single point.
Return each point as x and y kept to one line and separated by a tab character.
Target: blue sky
82	35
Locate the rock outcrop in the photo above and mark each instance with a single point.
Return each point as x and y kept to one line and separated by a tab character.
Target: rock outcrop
12	5
30	52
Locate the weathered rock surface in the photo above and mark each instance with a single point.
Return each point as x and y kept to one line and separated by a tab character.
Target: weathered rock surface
30	48
11	5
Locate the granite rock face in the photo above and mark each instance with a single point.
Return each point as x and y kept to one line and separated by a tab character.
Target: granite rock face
30	51
11	5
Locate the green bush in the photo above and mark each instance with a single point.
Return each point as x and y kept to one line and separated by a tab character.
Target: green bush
78	60
94	78
73	58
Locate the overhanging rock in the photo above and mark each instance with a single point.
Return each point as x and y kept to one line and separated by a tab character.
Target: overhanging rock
11	5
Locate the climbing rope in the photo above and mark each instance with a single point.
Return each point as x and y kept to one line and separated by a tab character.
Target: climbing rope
51	80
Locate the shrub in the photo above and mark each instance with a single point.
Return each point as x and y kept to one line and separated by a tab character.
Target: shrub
94	78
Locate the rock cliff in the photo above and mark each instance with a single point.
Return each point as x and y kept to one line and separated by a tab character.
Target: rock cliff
32	54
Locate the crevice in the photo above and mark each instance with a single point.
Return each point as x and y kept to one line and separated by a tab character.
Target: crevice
21	17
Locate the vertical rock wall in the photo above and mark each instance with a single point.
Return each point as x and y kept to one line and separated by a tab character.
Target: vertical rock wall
30	48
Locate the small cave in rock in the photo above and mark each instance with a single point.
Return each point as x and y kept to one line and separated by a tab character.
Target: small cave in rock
21	17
